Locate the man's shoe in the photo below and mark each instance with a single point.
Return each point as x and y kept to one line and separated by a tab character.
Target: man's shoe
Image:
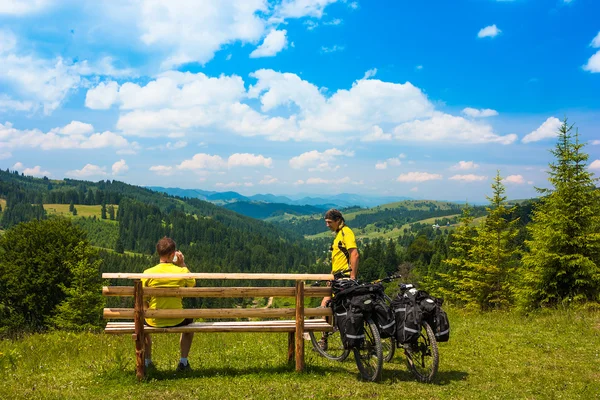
183	368
323	343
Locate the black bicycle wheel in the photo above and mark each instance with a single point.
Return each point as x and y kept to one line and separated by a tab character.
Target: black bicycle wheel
369	356
333	348
423	357
388	346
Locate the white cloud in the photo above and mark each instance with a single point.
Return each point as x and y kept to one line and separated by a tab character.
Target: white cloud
418	177
595	142
593	64
489	31
332	49
87	171
311	158
320	181
335	21
268	180
8	104
415	189
381	165
516	179
465	165
376	135
445	127
76	128
35	171
468	178
177	145
370	73
549	129
595	164
72	136
394	162
482	113
324	167
274	42
22	7
5	155
120	167
302	8
162	170
596	41
203	161
249	160
103	96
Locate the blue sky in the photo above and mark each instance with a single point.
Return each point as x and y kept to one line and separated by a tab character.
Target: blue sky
420	99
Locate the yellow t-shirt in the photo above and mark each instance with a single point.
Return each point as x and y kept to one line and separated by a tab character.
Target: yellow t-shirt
159	303
339	262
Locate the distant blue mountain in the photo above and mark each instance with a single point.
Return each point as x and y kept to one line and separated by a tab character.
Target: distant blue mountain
322	202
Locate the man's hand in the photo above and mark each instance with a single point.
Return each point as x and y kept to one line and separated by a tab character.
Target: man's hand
180	259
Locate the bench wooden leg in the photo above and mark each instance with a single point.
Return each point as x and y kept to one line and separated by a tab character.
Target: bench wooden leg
140	368
291	347
299	326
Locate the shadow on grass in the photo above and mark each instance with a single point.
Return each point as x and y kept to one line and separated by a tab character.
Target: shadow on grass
202	372
442	378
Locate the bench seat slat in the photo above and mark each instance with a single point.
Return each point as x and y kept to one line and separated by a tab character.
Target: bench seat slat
219	292
128	313
316	325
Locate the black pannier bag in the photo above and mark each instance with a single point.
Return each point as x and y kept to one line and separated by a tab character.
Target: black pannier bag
431	307
350	324
384	318
408	317
352	305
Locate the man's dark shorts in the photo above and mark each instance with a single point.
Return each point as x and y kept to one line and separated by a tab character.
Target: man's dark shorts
185	322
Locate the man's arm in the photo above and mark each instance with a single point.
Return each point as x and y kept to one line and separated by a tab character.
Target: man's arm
354	256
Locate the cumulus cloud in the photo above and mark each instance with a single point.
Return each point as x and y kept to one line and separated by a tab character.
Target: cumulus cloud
249	160
489	31
22	7
89	170
468	178
418	177
370	73
549	129
268	180
445	127
164	170
593	64
34	171
595	164
516	179
465	165
274	42
75	135
596	41
482	113
394	162
320	181
103	96
312	158
376	135
332	49
120	167
233	184
595	142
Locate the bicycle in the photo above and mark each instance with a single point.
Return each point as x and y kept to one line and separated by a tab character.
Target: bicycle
422	356
368	356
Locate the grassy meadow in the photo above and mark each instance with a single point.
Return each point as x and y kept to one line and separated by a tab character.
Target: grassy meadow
553	355
82	210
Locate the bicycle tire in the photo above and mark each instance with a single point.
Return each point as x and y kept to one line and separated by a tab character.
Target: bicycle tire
388	346
423	357
335	348
369	356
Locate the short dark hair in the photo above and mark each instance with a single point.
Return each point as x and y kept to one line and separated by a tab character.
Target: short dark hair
334	215
165	246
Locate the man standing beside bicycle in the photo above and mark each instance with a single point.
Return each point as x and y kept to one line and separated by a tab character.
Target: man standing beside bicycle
344	252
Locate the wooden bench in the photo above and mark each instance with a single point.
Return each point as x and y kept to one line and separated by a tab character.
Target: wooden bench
294	327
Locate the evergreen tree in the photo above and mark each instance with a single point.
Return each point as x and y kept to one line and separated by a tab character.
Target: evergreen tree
564	258
82	307
74	211
111	212
103	211
71	206
490	274
461	241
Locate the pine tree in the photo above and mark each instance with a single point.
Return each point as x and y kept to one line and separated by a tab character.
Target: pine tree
488	282
448	283
564	258
74	211
71	206
82	307
103	211
111	212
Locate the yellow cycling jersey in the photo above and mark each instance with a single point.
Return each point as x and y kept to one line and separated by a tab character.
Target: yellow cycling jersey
159	303
344	240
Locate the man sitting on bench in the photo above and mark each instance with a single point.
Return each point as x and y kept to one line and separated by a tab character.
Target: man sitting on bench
171	262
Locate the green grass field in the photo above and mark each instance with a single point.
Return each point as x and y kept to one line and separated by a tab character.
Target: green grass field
490	356
82	210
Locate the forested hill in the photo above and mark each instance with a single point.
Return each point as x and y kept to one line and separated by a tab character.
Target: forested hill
215	238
